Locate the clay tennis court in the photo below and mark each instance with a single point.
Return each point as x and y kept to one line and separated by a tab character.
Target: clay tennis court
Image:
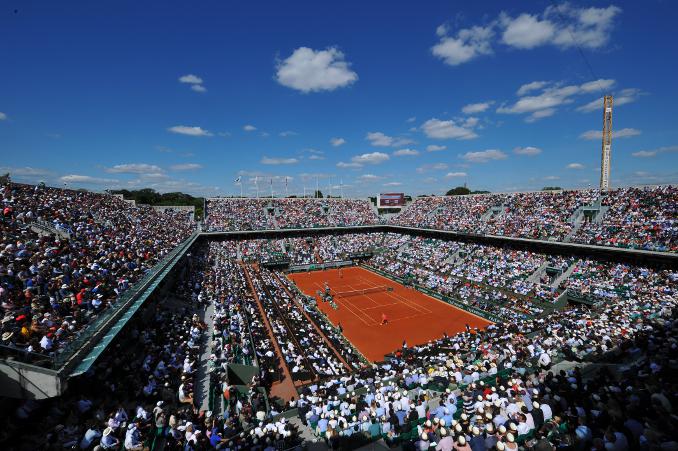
412	315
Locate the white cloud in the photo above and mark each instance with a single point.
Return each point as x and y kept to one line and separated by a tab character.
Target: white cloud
468	44
198	88
309	70
438	129
27	171
370	158
406	152
336	142
369	178
540	115
287	133
575	166
249	128
551	177
278	161
191	79
532	86
622	133
455	174
552	95
316	157
655	152
379	139
411	119
344	165
474	108
625	96
392	184
86	179
483	156
3	116
190	131
591	27
556	26
526	31
432	167
186	167
435	148
134	168
529	151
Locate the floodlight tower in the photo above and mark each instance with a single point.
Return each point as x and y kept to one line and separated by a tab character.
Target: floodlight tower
607	144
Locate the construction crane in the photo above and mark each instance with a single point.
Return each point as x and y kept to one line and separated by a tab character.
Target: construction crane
607	143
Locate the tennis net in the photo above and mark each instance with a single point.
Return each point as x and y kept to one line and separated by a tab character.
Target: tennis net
346	294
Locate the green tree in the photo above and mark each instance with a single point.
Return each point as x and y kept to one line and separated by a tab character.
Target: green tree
458	191
551	188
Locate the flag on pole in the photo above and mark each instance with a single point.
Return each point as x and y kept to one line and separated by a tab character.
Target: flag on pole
238	180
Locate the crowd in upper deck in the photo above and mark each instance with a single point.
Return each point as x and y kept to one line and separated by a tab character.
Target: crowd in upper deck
67	256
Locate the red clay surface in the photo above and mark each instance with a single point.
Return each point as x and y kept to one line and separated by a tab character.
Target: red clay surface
412	315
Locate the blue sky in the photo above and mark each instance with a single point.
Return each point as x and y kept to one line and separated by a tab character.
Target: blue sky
374	96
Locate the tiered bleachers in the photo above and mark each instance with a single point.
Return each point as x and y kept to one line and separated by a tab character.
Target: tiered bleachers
287	213
54	286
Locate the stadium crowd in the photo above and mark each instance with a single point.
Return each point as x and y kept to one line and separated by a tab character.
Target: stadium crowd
475	390
67	256
287	213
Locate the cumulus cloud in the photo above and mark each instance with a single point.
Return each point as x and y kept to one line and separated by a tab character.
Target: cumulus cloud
190	79
287	133
369	178
532	86
309	70
474	108
435	148
467	44
556	26
623	97
278	161
392	184
483	156
134	168
526	31
352	165
544	97
575	166
432	167
379	139
86	179
655	152
621	133
406	152
194	81
249	128
190	131
336	142
439	129
370	158
529	151
186	167
455	174
3	116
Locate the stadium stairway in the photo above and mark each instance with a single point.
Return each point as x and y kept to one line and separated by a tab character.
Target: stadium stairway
284	389
203	377
493	212
535	277
565	274
456	259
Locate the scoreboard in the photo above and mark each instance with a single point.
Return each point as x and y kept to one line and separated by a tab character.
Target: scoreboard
391	200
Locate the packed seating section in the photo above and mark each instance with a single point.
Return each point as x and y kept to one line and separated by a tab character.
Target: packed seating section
478	389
